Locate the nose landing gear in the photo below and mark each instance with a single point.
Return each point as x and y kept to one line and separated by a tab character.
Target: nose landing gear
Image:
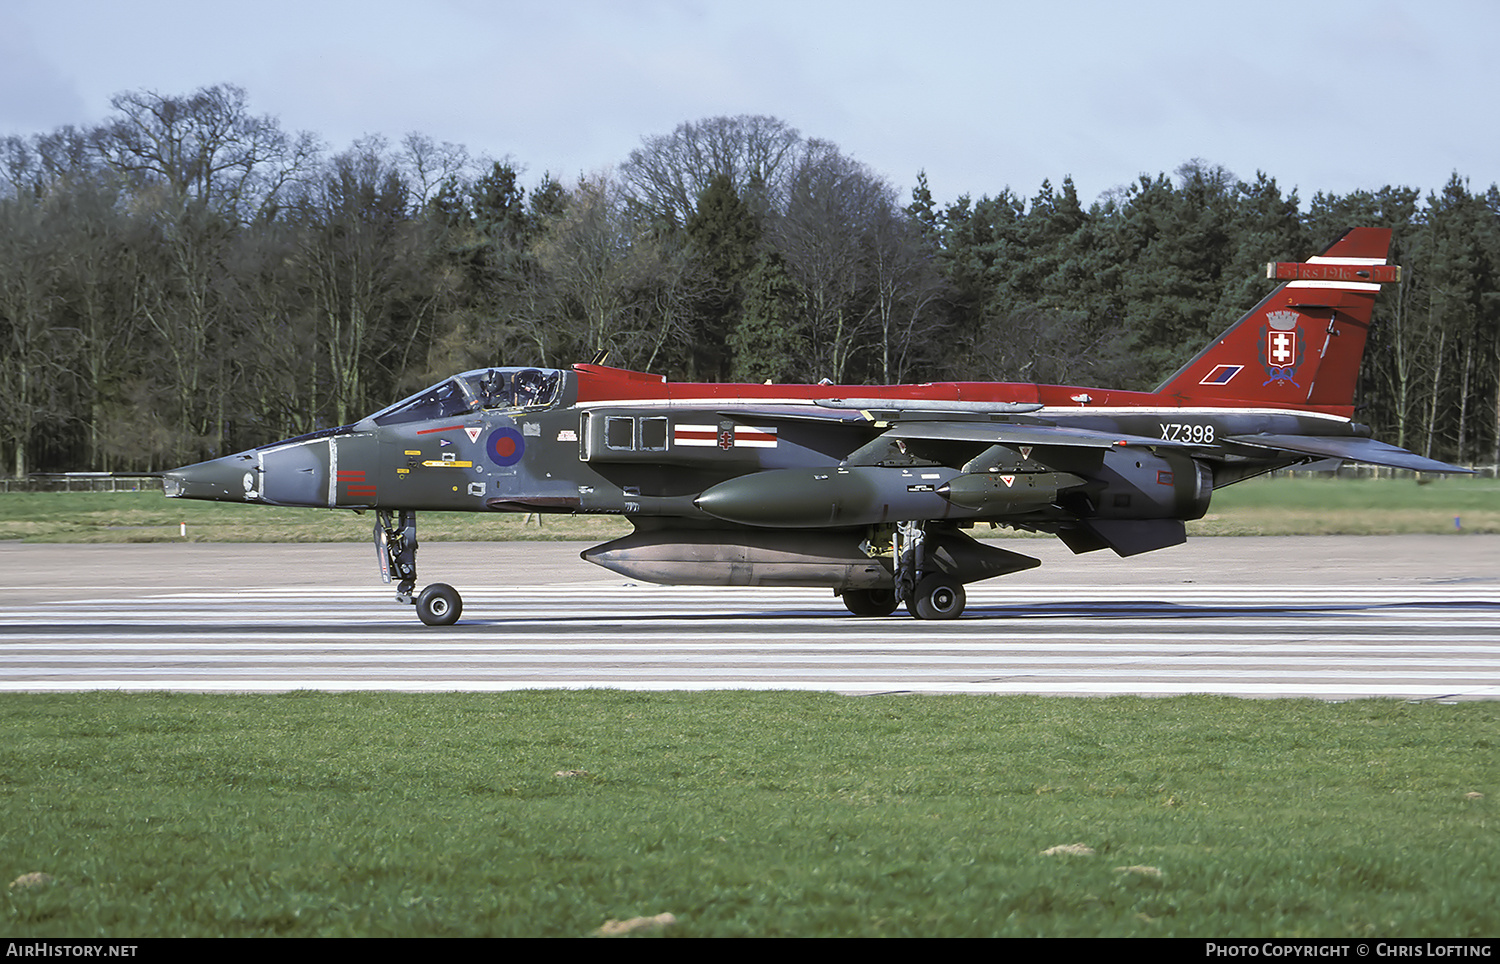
396	550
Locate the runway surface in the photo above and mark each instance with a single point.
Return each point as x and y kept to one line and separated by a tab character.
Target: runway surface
1402	617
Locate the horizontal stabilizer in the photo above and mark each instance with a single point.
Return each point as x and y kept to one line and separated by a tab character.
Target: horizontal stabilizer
1365	450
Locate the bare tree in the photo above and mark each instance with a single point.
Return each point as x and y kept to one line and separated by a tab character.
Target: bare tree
613	286
906	287
103	333
429	164
666	175
198	170
28	295
357	260
206	148
834	207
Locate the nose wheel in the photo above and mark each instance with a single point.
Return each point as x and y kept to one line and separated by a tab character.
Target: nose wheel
439	605
396	550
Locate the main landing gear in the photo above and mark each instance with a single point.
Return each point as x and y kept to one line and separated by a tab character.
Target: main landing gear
928	595
396	549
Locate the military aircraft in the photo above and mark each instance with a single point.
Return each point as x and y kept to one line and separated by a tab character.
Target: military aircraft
868	491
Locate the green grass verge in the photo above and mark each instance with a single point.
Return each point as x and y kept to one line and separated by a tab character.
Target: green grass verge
1311	505
107	517
1267	507
747	814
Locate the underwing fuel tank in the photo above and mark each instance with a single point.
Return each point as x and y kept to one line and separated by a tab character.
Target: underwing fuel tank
766	557
994	490
743	558
837	496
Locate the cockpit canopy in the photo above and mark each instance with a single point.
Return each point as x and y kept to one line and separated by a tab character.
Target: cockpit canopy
483	388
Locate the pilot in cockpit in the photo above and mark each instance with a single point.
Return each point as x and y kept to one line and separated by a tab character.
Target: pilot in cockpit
493	392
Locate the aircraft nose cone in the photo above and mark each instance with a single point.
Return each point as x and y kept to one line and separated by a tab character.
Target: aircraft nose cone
233	478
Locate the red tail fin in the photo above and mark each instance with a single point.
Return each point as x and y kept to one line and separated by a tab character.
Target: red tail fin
1302	345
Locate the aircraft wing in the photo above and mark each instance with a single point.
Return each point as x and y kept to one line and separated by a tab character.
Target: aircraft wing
774	413
1365	450
1010	433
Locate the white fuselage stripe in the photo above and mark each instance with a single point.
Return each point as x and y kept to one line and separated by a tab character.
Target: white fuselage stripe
755	408
1339	285
1321	259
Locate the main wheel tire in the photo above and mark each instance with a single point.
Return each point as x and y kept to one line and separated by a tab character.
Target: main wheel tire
439	605
937	596
870	602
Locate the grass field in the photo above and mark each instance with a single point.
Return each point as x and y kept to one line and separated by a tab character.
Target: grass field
747	814
99	517
1277	506
1333	506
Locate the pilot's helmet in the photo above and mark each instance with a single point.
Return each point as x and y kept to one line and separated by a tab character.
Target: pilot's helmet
492	388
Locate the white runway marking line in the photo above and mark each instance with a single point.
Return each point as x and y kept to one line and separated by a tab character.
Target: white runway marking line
1431	642
991	595
853	687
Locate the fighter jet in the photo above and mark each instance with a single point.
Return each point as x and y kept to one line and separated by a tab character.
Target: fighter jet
869	491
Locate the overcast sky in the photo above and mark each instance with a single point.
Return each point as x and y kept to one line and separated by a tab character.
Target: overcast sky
1323	95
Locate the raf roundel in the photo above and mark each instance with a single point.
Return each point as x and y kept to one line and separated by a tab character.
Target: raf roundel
505	446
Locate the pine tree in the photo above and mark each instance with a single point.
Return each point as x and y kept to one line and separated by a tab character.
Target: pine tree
724	237
767	342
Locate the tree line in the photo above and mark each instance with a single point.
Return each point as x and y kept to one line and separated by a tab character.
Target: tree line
188	279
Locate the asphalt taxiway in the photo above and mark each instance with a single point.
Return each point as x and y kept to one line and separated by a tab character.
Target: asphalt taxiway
1411	617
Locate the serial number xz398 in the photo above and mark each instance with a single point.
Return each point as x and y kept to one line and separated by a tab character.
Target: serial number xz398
1187	432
